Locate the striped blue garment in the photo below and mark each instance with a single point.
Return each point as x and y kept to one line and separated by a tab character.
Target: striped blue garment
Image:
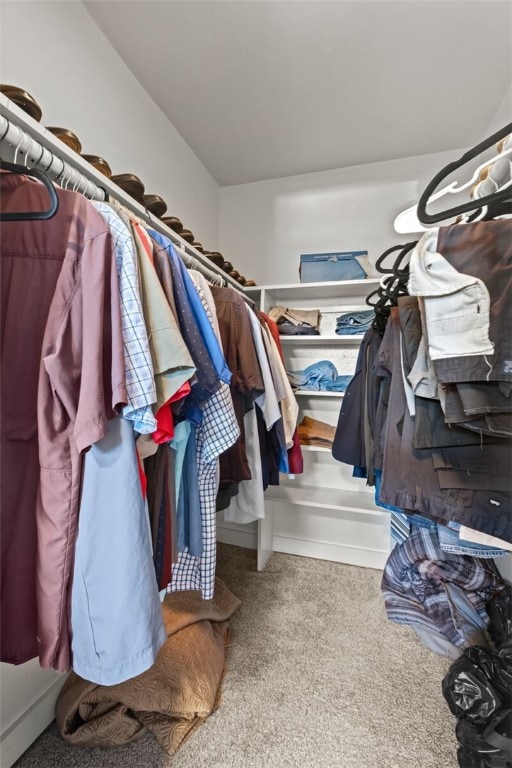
421	582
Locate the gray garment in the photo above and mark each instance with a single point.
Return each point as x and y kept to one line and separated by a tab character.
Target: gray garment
495	424
458	478
409	480
492	458
432	431
382	367
410	326
484	250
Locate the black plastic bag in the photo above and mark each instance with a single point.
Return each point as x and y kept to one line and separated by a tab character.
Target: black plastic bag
469	758
499	610
502	677
485	746
468	689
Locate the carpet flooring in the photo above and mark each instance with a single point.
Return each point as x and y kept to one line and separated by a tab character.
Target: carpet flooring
316	676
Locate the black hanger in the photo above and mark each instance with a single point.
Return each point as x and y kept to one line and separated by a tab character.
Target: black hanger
31	215
383	256
501	208
504	194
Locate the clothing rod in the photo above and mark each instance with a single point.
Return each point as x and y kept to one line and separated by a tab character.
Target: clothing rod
25	141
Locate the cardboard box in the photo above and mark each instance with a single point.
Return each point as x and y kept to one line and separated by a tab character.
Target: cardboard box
329	267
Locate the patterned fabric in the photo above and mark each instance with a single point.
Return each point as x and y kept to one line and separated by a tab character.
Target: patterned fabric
140	382
205	381
400	528
424	586
169	700
210	339
216	432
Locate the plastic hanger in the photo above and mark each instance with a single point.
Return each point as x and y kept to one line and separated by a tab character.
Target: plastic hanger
413	218
383	256
31	215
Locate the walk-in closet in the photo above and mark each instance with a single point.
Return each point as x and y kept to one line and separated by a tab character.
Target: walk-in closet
256	383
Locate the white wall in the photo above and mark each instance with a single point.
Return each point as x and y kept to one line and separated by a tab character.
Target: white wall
265	226
503	113
55	51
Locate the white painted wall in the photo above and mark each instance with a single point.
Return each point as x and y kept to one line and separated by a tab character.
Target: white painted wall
265	226
55	51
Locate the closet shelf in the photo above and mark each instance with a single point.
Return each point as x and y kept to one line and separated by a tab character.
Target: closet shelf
330	339
359	502
312	291
316	393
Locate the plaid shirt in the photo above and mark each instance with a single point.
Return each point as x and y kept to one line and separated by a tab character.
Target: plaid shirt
140	381
217	431
417	579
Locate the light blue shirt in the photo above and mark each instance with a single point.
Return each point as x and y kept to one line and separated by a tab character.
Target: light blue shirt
205	327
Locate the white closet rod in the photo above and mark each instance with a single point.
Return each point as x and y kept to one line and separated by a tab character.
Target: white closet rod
28	143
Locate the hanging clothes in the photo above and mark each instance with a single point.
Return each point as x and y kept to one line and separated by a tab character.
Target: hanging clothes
116	617
139	373
246	381
71	322
217	431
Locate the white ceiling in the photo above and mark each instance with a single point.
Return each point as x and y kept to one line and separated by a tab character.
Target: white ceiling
266	88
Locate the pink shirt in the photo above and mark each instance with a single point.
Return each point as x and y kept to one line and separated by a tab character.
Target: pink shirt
62	380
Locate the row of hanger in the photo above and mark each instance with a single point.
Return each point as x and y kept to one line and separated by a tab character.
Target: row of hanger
53	201
412	219
416	219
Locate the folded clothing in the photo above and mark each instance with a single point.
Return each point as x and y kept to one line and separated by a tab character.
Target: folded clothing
290	329
297	317
354	322
315	432
320	376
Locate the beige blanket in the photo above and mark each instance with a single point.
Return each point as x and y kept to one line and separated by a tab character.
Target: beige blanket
173	697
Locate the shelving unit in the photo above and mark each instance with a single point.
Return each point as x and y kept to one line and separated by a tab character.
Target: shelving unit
325	512
316	393
355	338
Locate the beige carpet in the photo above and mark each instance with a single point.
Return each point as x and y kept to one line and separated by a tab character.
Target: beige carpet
316	677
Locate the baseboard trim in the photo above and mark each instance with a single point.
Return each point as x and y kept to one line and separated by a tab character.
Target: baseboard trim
338	553
237	536
25	730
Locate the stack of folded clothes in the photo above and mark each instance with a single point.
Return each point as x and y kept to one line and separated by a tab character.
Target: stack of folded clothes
314	432
351	323
296	322
321	376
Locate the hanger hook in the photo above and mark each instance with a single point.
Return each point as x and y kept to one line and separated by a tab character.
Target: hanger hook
18	146
65	176
36	162
30	142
